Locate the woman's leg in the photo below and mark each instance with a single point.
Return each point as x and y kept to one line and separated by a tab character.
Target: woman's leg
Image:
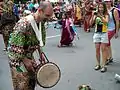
97	46
104	56
104	42
97	67
104	53
96	40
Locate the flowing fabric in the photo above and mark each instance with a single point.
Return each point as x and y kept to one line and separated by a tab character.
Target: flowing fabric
67	33
88	14
77	16
86	21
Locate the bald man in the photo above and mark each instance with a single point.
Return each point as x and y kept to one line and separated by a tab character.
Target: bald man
26	39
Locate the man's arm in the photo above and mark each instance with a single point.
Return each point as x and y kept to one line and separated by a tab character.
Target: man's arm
116	15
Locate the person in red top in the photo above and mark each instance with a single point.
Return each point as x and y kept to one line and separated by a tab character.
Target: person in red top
68	34
88	14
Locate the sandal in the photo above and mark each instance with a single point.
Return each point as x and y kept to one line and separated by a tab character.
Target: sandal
59	46
97	67
71	44
110	60
5	49
88	30
103	69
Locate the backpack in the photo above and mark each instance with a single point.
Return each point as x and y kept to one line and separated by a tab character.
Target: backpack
114	16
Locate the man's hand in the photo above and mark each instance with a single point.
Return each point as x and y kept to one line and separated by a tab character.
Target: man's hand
29	64
116	35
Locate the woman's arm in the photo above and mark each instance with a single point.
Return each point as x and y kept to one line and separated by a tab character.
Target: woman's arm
92	20
104	18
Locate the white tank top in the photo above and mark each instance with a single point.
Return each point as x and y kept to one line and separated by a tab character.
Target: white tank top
111	24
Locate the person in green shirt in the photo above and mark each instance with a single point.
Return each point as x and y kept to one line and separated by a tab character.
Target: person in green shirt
100	37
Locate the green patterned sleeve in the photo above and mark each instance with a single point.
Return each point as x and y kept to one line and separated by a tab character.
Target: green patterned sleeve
16	44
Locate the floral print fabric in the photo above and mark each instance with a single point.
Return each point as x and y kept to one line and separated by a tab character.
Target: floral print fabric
22	44
23	41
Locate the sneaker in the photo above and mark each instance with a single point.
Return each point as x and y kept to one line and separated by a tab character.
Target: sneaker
97	67
110	60
103	69
5	49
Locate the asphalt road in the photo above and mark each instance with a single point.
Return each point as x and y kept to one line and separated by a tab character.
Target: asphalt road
76	63
5	75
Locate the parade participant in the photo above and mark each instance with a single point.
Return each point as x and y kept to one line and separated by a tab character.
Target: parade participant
113	27
100	37
57	11
8	20
1	5
67	33
25	39
78	16
88	14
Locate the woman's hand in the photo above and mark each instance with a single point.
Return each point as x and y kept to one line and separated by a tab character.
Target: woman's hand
99	15
116	35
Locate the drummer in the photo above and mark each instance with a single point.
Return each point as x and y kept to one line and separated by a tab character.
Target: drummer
22	43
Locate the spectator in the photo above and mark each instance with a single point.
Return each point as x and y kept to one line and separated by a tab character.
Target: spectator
100	37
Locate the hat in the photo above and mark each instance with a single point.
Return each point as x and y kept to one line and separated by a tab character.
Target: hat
107	0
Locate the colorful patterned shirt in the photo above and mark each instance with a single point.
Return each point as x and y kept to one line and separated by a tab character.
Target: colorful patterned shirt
23	41
100	26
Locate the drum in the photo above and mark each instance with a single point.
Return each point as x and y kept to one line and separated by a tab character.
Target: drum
47	73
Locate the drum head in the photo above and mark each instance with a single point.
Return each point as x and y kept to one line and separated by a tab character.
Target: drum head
48	75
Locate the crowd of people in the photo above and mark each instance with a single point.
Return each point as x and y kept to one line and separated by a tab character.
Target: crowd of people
23	30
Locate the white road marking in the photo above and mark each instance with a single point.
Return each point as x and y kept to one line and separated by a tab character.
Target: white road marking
53	36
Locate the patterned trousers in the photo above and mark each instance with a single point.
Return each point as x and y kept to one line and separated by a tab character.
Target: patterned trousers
23	80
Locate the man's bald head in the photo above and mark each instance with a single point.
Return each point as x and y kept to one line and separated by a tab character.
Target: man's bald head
46	5
45	11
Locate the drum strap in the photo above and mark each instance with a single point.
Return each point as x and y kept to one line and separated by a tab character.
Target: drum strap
37	31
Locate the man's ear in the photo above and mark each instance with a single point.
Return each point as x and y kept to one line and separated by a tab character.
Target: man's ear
39	10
